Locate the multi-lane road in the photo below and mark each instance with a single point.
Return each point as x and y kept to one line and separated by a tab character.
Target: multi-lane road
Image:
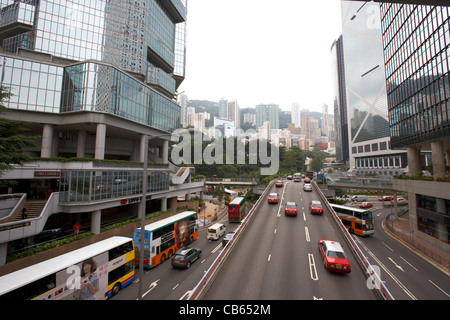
277	258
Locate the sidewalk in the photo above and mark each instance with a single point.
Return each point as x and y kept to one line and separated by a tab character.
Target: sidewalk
399	229
211	210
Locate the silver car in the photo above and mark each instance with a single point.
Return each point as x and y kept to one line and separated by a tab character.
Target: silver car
307	187
184	257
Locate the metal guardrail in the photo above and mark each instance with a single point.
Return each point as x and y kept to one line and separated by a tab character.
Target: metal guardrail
380	288
205	282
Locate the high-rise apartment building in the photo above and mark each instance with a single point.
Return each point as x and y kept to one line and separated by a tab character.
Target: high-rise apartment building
365	82
267	112
223	108
310	127
296	115
234	113
96	80
416	42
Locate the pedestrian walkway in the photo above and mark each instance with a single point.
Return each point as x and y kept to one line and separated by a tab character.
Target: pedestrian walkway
399	229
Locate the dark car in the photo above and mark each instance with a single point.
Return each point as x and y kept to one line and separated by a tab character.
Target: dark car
185	256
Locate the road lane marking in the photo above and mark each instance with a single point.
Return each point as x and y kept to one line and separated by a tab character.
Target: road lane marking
387	246
395	263
216	248
399	283
175	286
268	259
304	216
448	295
409	263
187	294
151	287
307	234
312	267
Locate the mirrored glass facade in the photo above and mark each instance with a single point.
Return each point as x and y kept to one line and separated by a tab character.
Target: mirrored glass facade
416	41
121	36
339	101
366	98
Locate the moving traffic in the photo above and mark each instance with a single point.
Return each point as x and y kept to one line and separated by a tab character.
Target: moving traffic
291	249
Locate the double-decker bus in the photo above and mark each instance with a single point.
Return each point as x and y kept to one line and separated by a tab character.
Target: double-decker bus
297	177
94	272
230	195
164	237
236	210
356	220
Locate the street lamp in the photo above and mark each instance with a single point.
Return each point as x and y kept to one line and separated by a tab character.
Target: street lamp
142	210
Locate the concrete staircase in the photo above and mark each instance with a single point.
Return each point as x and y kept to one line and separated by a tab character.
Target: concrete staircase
34	209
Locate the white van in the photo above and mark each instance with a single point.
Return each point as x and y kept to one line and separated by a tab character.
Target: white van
359	198
216	231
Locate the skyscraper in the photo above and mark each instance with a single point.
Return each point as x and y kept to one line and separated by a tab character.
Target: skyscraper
234	113
365	82
416	41
340	102
96	80
267	112
296	116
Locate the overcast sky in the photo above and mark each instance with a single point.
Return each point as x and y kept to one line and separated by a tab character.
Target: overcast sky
261	51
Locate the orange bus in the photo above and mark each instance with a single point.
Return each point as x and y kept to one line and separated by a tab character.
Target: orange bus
356	220
163	238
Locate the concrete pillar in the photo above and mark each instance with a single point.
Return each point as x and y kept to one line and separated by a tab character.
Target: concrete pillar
142	147
447	158
55	145
81	144
395	205
96	218
163	204
100	141
414	165
165	151
3	253
47	141
437	155
441	228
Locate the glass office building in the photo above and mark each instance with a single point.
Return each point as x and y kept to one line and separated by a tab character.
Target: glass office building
366	98
416	43
132	43
95	79
340	101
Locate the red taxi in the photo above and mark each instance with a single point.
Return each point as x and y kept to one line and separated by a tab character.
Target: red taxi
290	209
278	183
273	198
333	255
307	180
315	207
386	198
366	205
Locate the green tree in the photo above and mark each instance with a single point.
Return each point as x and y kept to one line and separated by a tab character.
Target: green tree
12	139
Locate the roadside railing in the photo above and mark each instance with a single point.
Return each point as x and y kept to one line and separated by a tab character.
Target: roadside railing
202	287
374	281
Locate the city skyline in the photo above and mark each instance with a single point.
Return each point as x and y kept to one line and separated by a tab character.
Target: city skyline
261	52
